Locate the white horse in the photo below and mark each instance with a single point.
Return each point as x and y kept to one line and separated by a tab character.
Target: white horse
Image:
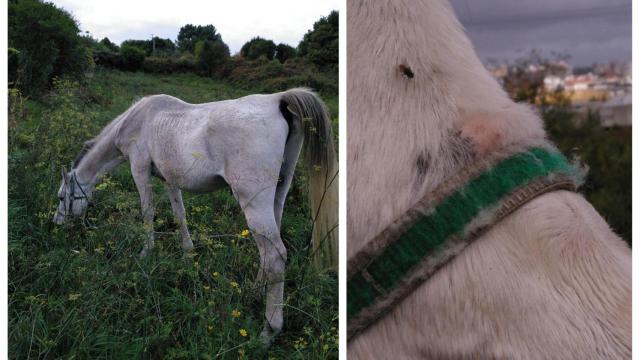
550	281
251	144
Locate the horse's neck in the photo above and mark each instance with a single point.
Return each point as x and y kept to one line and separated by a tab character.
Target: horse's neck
100	159
404	132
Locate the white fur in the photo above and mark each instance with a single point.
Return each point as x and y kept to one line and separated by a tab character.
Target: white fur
245	143
550	281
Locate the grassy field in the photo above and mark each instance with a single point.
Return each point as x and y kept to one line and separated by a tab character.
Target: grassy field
81	292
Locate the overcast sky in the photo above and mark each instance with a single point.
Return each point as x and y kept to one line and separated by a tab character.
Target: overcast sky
588	30
236	20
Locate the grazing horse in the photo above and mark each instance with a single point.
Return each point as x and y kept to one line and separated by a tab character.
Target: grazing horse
548	280
250	144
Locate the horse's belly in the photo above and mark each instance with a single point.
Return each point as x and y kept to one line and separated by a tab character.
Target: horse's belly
197	175
204	184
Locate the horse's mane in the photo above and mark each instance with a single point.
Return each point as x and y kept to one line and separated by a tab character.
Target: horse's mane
85	149
91	142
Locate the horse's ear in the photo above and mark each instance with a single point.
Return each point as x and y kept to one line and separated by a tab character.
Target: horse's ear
64	174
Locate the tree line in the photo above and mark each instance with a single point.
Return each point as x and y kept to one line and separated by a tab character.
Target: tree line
45	42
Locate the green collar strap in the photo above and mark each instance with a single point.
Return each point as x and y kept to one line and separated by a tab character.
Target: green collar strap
441	225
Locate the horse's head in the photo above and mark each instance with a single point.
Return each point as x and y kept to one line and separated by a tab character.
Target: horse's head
73	198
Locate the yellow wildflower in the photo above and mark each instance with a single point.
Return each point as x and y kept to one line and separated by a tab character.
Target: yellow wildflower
210	328
245	233
235	313
215	274
243	332
205	287
234	284
74	297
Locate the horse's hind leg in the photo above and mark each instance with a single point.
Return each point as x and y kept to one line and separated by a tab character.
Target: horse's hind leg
258	209
281	195
175	196
289	160
141	172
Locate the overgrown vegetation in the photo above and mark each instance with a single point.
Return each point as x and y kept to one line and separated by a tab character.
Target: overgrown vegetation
320	45
45	42
605	151
81	291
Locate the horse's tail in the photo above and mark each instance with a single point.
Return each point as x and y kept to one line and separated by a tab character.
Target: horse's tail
310	128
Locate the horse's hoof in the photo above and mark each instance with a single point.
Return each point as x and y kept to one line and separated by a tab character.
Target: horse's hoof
268	335
188	247
189	252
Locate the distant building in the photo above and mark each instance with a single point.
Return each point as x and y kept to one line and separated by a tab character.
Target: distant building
553	83
605	88
579	82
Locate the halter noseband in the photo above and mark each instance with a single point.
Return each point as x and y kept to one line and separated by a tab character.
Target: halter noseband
72	196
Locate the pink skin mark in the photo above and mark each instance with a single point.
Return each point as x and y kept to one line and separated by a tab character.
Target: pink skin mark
483	132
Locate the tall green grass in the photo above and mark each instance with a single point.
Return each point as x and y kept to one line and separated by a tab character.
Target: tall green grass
81	292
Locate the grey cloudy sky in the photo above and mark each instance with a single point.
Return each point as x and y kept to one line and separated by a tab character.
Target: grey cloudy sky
236	20
588	30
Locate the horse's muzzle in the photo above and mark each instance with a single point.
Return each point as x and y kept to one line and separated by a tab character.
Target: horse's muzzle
58	218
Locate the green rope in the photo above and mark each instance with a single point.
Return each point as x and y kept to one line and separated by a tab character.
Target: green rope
449	218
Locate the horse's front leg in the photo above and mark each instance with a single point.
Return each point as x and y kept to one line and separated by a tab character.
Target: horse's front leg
175	196
142	177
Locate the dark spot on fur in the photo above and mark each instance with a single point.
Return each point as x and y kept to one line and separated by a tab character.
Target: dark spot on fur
406	70
422	165
459	149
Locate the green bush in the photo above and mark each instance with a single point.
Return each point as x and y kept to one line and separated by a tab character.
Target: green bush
189	36
109	45
169	65
13	59
48	44
272	76
211	56
163	47
258	47
132	56
320	45
285	52
108	59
